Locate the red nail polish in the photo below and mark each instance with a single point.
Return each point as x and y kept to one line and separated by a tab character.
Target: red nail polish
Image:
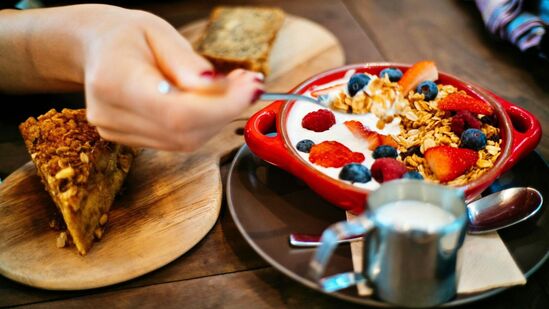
259	80
257	94
210	74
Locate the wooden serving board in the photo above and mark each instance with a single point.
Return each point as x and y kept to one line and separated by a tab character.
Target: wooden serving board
171	200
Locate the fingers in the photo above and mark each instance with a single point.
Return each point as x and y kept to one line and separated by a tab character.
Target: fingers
178	61
133	140
123	120
185	110
190	111
123	126
136	113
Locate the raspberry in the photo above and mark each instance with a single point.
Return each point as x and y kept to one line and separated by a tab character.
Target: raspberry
386	169
318	121
464	120
457	125
333	154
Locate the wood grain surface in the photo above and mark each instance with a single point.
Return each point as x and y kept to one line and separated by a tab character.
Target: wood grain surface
171	200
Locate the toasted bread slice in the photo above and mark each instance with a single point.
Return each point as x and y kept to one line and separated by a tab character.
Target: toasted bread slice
81	171
241	37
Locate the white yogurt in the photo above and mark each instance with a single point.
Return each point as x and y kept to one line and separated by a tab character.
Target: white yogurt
338	132
409	214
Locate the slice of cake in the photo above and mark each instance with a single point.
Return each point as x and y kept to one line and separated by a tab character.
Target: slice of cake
81	171
241	37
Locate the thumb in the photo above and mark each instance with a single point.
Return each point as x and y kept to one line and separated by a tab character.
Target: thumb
179	62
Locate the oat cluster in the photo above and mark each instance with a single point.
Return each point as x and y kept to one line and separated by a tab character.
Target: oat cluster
381	97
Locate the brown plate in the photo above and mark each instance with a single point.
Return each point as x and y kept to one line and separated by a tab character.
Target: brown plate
268	204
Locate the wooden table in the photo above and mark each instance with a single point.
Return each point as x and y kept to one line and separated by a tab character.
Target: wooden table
222	270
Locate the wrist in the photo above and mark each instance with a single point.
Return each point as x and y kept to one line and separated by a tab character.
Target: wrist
57	43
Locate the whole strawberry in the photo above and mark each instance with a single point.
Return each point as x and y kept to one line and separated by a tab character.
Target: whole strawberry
386	169
318	121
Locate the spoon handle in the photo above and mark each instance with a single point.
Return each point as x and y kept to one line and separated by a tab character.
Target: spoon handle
273	96
310	240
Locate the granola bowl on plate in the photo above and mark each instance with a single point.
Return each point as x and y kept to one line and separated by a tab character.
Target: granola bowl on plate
387	121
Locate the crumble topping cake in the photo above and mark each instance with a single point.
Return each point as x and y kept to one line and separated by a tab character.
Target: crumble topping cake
241	37
81	171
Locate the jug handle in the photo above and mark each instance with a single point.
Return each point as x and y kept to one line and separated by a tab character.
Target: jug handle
329	241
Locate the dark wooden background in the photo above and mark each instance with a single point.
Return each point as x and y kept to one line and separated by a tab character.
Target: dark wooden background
222	270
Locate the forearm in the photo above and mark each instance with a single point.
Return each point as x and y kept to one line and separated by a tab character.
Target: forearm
44	49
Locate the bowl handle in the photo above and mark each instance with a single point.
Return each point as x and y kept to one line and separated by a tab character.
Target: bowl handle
269	148
526	131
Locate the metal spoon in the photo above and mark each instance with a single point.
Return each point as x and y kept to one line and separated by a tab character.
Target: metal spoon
322	100
490	213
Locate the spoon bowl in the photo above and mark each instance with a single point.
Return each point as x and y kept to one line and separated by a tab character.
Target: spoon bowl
487	214
503	209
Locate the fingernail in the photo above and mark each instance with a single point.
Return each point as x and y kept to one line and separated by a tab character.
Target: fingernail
257	94
210	74
259	77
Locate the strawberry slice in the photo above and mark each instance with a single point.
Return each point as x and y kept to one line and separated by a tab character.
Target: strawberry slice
358	130
333	154
373	138
320	91
387	140
417	73
465	102
448	163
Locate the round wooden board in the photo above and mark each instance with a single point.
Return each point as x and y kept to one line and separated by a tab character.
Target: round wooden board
170	202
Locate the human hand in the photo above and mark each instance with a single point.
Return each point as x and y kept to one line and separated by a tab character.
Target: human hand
127	55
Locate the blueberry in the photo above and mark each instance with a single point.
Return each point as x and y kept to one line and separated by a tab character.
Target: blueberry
355	172
356	83
305	145
473	139
490	120
429	89
394	74
495	138
412	175
414	150
385	151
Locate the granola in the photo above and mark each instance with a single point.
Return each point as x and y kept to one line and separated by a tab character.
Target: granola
412	115
433	128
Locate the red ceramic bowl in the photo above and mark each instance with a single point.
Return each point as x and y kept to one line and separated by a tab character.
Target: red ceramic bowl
520	133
